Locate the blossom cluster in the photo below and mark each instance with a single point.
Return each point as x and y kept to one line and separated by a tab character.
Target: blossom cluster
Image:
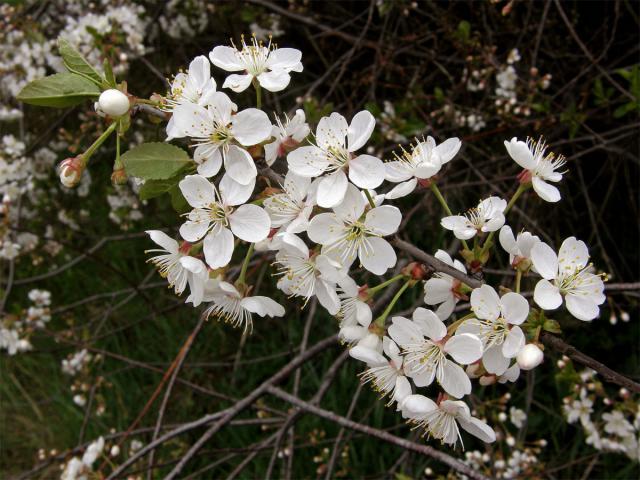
329	220
16	329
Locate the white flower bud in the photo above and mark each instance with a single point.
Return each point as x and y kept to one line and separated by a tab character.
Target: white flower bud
530	357
113	102
115	451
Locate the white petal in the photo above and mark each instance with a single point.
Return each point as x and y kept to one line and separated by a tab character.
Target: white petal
402	390
360	130
234	193
193	231
200	70
437	290
416	405
402	189
582	307
511	374
378	256
478	429
464	348
251	126
454	380
519	152
239	165
545	191
448	149
494	361
446	308
547	295
307	161
353	205
263	306
485	302
383	220
226	58
573	255
327	297
164	240
396	171
192	120
404	331
197	191
515	308
366	171
285	59
370	357
513	342
250	223
237	83
544	260
209	160
325	228
332	189
331	131
508	241
274	81
218	248
429	323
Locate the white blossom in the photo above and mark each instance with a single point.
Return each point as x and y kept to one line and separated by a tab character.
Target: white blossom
567	275
288	135
423	162
539	167
216	217
334	153
488	216
347	234
268	64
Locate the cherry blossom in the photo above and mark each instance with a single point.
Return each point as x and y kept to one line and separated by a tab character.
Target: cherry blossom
231	306
219	135
423	162
441	420
288	135
539	167
216	217
291	209
385	373
567	275
334	156
178	267
444	290
307	275
518	248
425	346
269	65
488	216
497	325
346	234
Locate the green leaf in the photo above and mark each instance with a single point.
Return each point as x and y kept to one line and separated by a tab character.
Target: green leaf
551	326
59	90
622	110
178	201
76	63
464	30
108	73
155	161
155	188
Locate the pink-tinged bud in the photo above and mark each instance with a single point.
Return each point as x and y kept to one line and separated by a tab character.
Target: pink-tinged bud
530	357
119	176
114	103
70	171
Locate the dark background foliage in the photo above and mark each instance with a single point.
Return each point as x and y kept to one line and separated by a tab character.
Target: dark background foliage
356	55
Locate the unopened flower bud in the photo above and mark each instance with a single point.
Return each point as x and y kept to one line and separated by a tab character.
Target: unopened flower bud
119	176
530	357
70	171
113	102
415	270
115	451
624	316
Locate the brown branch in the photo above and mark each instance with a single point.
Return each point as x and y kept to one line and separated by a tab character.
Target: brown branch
224	416
576	355
374	432
436	264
